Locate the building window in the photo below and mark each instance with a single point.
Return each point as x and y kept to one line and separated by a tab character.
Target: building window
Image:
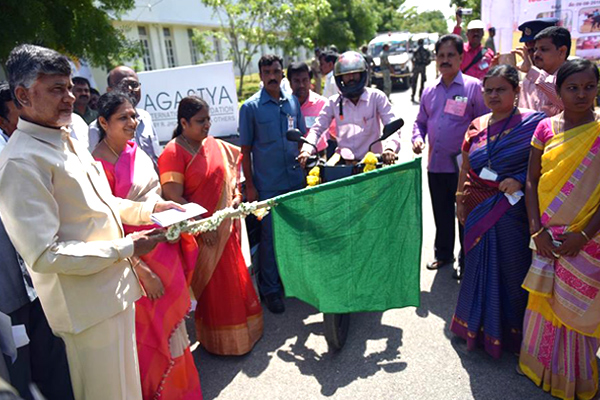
145	42
218	48
169	47
193	47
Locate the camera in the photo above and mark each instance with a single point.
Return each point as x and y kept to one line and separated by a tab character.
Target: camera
464	11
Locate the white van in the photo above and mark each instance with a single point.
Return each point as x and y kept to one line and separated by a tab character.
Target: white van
429	40
399	57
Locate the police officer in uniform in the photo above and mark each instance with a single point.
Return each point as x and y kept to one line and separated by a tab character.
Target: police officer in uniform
421	59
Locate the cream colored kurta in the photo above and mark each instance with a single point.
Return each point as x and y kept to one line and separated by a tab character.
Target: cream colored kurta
61	216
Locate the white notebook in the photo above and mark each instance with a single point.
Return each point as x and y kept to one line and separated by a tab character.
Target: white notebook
170	217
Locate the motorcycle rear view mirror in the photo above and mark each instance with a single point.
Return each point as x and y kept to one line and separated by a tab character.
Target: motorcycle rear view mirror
294	135
389	129
392	127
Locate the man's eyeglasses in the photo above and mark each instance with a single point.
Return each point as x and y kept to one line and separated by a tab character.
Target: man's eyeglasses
130	85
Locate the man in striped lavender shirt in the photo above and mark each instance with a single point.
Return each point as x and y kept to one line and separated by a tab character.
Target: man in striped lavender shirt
552	47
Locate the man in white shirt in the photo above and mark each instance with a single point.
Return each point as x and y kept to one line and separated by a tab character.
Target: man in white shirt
43	360
327	62
62	218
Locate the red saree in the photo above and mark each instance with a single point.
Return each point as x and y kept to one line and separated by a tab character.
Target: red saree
229	315
167	367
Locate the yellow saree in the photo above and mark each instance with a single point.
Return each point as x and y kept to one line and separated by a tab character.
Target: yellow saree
561	331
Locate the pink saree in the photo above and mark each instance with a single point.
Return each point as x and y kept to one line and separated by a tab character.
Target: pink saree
167	367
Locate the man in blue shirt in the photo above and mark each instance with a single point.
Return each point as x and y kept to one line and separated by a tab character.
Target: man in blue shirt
269	162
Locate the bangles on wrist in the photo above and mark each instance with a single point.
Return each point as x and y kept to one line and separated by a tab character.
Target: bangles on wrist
585	235
537	233
459	193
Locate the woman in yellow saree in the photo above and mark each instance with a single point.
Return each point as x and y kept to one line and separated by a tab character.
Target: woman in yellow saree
561	330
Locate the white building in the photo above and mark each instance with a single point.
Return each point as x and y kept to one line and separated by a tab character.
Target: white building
165	28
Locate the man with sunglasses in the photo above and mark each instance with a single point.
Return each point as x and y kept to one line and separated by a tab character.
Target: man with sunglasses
125	79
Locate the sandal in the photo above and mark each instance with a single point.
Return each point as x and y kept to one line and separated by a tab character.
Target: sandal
437	264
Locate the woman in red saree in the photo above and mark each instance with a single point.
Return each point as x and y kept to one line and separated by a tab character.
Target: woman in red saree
167	367
195	167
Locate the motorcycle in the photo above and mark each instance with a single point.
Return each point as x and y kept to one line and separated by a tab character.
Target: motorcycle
336	326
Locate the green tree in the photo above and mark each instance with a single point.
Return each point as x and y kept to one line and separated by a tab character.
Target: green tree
428	21
79	28
303	23
390	16
473	4
350	23
202	41
247	25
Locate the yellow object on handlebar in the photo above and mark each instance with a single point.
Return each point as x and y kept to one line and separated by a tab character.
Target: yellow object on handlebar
370	162
314	176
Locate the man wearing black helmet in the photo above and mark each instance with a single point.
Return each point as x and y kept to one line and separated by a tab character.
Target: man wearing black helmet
358	112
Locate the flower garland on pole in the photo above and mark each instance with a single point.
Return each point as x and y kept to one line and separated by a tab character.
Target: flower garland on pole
258	208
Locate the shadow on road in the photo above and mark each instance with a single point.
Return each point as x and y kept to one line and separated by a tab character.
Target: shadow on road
442	298
217	372
357	360
371	347
488	378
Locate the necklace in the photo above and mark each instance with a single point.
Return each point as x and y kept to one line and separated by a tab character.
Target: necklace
194	149
111	149
489	145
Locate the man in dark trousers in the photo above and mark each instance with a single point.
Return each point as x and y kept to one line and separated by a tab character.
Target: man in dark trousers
421	59
448	106
269	162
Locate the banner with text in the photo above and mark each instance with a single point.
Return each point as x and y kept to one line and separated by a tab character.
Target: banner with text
162	90
581	18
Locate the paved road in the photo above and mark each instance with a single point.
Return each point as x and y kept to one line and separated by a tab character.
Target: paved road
400	354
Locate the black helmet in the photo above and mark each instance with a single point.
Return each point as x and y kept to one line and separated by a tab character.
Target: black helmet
349	63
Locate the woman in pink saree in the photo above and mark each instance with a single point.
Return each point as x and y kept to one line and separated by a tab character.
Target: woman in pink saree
167	367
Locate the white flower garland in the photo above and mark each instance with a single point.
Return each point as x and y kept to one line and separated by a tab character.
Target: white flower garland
258	209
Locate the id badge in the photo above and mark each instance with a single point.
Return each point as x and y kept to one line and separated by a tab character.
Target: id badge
310	121
290	122
488	174
455	107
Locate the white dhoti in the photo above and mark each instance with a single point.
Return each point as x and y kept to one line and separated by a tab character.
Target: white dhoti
103	360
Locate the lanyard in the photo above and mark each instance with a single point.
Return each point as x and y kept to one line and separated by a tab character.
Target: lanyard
489	147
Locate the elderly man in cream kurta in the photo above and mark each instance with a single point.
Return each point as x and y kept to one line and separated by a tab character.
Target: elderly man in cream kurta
62	218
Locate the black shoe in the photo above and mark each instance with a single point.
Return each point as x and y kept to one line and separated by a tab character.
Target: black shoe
437	264
458	273
274	303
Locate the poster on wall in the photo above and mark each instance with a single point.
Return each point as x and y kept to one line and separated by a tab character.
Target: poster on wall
581	18
163	90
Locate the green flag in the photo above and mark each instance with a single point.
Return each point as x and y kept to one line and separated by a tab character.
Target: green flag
354	244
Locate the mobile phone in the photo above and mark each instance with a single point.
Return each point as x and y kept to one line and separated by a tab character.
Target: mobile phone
508	58
464	11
